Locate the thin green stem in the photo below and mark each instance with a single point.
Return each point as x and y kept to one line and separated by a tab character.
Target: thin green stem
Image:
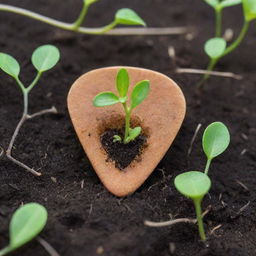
5	250
208	163
56	23
21	85
81	16
127	121
239	39
34	82
25	102
218	17
197	203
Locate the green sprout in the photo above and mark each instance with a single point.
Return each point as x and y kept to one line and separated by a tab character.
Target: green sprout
139	93
194	185
216	139
43	58
26	223
123	16
216	48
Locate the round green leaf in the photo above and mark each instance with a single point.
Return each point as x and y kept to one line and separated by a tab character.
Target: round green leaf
212	3
193	184
228	3
9	65
105	99
133	134
45	57
249	9
127	16
26	223
122	82
215	47
216	139
139	93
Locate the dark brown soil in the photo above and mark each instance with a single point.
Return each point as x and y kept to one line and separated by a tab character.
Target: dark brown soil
86	220
122	154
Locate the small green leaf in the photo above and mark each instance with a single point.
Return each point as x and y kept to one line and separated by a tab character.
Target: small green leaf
127	16
212	3
249	9
117	138
216	139
215	47
45	57
122	99
228	3
9	65
133	134
139	93
193	184
105	99
122	82
26	223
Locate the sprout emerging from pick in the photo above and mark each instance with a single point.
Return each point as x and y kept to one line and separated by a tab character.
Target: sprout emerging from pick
139	93
26	223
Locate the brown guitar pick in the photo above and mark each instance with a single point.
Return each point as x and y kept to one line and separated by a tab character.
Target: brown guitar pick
160	115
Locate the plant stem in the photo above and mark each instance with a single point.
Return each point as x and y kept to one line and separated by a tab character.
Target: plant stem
34	82
197	203
239	39
127	121
5	250
81	16
208	163
218	14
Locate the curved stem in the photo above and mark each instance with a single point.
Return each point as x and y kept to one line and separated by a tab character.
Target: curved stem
127	121
218	15
239	39
208	163
5	250
56	23
197	203
81	16
34	82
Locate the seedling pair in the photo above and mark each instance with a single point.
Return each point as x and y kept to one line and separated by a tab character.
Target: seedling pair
26	223
123	16
43	58
195	185
216	48
139	93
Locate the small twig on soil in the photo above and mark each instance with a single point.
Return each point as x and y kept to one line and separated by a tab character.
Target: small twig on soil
213	73
242	185
47	246
1	151
243	208
193	139
215	228
25	117
175	221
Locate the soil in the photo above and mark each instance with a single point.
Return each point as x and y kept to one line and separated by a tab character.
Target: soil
87	220
122	154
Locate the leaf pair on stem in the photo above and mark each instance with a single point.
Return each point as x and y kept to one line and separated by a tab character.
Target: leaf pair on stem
216	48
139	93
194	184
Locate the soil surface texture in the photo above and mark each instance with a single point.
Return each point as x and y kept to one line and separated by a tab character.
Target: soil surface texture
85	219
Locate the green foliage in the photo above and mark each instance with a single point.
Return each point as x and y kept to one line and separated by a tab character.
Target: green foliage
216	139
212	3
249	9
122	82
105	99
45	57
9	65
215	47
27	222
217	4
117	138
127	16
139	93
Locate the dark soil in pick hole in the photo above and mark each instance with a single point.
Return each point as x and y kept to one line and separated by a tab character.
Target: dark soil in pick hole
87	220
122	154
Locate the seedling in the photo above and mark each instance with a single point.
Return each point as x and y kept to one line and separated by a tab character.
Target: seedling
43	58
216	139
139	93
26	223
194	185
123	16
216	48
